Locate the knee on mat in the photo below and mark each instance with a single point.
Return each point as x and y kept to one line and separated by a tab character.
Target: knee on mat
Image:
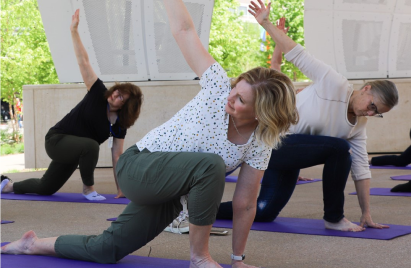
46	191
263	214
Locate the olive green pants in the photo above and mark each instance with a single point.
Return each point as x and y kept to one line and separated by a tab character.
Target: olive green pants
154	183
66	152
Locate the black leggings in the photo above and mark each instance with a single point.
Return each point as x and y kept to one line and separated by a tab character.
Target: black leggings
67	152
397	160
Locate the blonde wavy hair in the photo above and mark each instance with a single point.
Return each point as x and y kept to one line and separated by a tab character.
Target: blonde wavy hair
275	103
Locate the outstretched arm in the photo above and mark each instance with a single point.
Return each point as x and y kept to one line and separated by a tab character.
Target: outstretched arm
116	151
244	208
87	72
261	14
277	57
185	34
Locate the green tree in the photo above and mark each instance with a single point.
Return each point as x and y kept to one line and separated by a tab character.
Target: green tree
231	43
293	11
25	54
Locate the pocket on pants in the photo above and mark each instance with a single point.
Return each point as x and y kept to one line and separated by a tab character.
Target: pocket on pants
147	166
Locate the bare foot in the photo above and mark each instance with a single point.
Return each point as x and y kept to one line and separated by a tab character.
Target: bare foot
119	194
343	225
22	246
206	262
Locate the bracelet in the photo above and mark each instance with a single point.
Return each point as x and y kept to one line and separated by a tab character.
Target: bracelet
237	258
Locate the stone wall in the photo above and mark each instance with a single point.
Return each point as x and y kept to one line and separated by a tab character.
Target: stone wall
45	105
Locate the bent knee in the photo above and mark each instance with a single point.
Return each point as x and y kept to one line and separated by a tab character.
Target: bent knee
215	164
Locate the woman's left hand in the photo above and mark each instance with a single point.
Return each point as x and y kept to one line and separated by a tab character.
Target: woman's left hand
366	221
261	13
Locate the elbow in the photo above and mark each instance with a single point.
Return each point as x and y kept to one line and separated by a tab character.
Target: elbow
182	29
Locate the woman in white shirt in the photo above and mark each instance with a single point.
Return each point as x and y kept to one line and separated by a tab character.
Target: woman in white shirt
224	126
331	131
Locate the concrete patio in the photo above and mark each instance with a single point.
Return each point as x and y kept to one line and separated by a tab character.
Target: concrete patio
266	249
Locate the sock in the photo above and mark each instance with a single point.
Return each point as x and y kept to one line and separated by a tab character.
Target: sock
406	187
94	196
4	183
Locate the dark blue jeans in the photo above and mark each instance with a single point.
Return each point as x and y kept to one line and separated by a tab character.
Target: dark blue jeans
297	152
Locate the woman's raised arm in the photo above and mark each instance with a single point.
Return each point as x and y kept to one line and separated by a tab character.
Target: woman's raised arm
185	34
87	72
261	14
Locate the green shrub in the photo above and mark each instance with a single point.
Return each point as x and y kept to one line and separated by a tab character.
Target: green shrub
16	148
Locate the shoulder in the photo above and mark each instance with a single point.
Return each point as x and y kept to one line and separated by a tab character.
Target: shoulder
98	86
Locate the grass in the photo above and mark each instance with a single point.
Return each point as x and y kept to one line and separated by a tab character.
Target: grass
14	148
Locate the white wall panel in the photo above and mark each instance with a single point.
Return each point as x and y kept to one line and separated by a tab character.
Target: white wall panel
56	16
400	47
382	6
361	44
127	40
403	7
318	5
319	35
165	60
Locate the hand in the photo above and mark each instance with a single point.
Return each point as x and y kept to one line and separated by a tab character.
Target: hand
366	220
299	90
304	179
281	25
261	13
75	20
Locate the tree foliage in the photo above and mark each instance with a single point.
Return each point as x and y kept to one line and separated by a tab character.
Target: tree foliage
25	54
293	11
230	44
236	44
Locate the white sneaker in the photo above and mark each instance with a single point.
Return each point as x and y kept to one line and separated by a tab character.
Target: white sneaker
181	224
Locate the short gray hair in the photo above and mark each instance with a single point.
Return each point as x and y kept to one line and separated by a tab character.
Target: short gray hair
385	90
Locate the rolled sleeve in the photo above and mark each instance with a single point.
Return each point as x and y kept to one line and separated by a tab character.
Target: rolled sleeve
360	169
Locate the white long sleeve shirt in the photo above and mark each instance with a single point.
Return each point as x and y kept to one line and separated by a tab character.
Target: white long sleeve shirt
323	105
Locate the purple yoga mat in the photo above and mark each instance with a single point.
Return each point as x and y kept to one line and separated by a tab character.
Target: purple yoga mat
131	261
384	191
65	197
389	167
402	178
5	222
234	179
316	227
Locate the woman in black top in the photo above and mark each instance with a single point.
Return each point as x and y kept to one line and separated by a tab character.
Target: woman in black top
74	141
401	160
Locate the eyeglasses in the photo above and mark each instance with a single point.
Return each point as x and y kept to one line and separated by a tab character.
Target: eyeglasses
120	96
373	107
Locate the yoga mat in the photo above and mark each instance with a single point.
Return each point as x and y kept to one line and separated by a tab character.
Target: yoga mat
234	179
5	222
402	178
316	227
131	261
390	167
384	191
65	197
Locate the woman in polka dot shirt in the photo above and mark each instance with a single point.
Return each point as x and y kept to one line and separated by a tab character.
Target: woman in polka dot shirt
225	126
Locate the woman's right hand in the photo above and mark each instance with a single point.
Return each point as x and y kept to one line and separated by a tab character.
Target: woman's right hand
75	20
261	13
